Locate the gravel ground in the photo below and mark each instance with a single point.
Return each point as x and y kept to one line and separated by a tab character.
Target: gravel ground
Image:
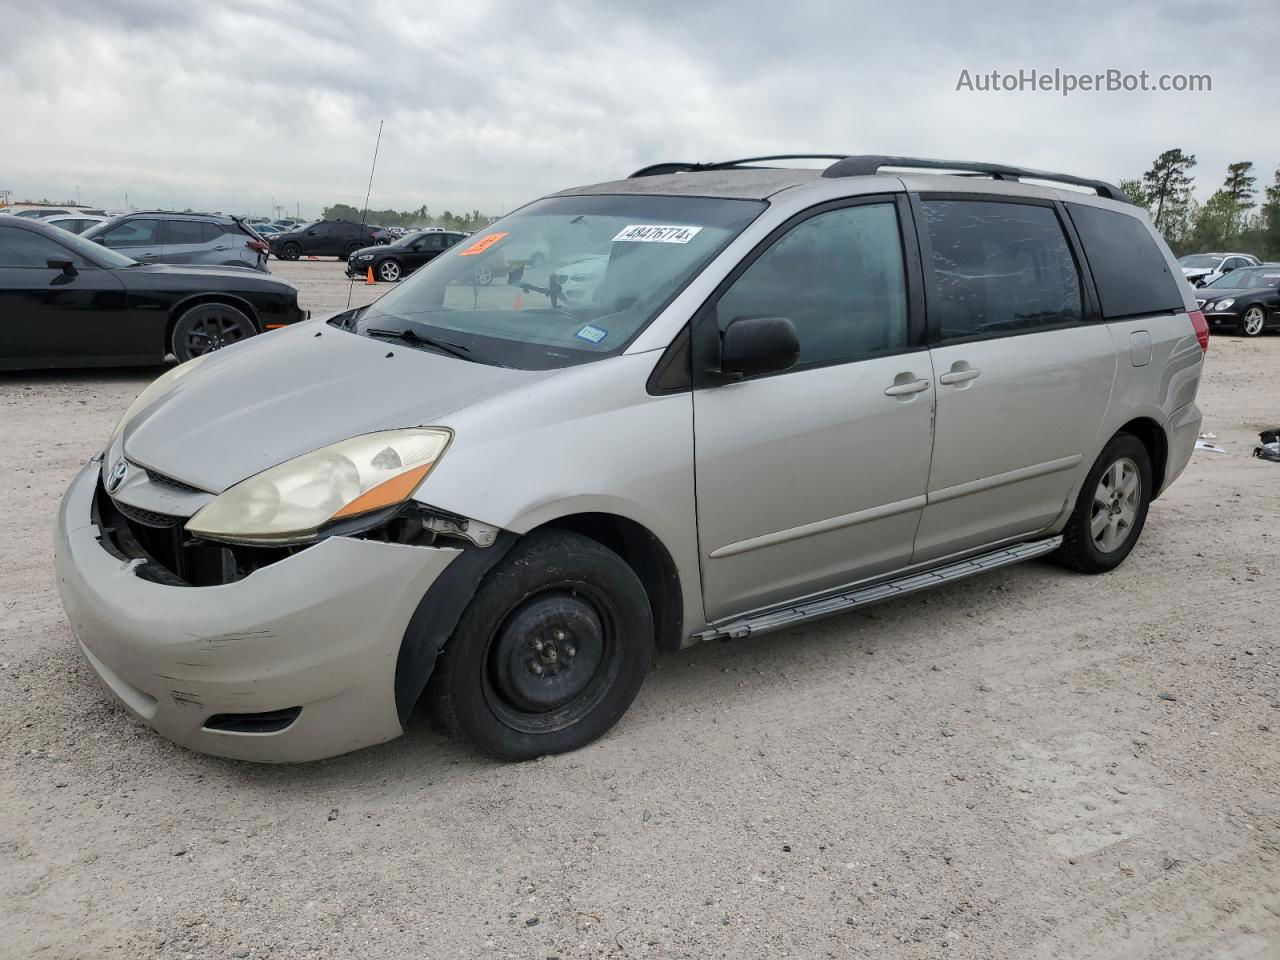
1028	764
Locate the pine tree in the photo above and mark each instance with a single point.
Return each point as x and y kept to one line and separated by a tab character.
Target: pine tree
1270	216
1168	188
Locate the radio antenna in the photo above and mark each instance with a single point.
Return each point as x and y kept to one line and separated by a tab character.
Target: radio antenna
364	217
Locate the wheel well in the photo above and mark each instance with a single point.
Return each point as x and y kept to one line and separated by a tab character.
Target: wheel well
180	308
1152	436
646	555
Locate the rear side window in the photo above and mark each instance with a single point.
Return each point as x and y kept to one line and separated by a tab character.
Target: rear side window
179	232
1128	268
999	268
838	277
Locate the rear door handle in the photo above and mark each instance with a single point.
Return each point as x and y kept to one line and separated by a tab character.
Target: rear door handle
906	389
960	376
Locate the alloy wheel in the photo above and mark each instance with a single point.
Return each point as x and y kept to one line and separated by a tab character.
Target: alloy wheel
1253	321
389	271
212	332
1115	505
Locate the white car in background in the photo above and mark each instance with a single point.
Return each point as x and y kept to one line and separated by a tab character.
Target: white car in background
578	279
74	222
1201	268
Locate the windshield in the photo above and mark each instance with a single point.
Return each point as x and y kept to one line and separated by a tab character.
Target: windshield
1200	260
96	252
1248	277
565	280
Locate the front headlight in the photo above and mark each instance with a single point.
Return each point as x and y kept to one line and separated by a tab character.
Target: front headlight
366	256
1224	304
291	502
157	386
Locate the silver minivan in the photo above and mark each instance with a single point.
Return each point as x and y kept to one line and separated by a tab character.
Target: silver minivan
785	394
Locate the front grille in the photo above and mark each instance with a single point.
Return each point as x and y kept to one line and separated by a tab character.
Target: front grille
147	518
171	556
166	481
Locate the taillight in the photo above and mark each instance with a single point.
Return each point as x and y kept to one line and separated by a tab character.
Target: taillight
1201	328
257	246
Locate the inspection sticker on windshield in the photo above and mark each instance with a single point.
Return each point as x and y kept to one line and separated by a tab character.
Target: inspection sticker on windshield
654	233
483	244
593	334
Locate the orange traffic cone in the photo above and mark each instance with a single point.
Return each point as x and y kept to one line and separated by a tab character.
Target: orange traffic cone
519	304
369	281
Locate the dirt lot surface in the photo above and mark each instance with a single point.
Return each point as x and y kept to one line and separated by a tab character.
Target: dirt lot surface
1031	764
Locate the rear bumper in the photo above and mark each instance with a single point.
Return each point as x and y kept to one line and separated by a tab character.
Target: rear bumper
1182	430
320	630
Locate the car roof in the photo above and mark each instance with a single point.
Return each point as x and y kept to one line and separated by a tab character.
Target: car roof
745	179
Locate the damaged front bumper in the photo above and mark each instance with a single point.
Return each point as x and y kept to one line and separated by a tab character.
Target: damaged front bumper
297	661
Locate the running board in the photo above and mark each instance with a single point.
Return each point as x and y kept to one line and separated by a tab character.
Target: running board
779	617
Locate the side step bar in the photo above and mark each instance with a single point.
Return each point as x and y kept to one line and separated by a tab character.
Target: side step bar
826	606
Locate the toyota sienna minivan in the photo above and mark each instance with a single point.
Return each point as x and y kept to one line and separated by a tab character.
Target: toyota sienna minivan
787	393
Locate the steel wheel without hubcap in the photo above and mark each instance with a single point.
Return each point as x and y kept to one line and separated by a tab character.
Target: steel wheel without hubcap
1253	321
1115	505
544	663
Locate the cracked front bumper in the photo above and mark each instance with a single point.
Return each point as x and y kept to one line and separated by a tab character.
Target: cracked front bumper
320	630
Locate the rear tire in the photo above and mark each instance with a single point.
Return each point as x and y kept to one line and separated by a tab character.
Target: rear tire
290	251
350	250
550	652
208	327
1111	509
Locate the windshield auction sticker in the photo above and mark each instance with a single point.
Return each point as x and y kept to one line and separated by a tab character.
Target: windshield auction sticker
483	244
652	233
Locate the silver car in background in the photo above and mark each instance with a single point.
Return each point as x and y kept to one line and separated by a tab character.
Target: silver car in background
789	393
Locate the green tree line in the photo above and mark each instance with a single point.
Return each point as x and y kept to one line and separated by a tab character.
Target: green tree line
422	217
1234	218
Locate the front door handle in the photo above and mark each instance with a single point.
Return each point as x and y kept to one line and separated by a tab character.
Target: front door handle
960	376
906	389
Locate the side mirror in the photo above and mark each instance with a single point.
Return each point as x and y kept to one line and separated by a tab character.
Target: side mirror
101	240
1227	270
66	266
752	346
515	274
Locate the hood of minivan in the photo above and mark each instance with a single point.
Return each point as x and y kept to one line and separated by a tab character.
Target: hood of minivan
286	393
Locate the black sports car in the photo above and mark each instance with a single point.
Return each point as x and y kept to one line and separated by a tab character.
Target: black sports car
392	261
1247	300
68	302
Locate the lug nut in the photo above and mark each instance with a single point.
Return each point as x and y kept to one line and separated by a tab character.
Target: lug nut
570	650
537	669
538	645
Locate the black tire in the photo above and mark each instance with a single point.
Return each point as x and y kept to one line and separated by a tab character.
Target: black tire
207	327
536	260
1245	319
389	271
351	248
558	601
1085	550
290	251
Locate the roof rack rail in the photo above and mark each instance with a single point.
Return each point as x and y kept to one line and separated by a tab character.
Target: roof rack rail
658	169
861	166
866	165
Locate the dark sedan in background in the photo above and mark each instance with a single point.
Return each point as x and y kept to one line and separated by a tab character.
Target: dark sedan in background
68	302
392	261
1247	300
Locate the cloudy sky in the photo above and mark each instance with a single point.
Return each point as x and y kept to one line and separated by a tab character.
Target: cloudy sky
232	104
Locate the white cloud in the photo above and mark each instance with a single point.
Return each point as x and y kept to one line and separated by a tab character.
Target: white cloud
229	105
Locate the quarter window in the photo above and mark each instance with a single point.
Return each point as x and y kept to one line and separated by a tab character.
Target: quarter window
1128	268
838	277
999	268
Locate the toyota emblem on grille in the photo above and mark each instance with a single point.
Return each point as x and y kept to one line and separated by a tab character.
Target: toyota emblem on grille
117	475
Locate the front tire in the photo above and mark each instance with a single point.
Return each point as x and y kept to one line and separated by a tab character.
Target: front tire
389	271
1253	321
1111	509
551	651
208	327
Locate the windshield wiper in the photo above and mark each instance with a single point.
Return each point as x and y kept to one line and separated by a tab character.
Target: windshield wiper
410	335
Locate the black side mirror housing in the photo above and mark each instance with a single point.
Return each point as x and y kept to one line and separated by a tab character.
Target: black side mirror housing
515	274
100	240
751	346
58	263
